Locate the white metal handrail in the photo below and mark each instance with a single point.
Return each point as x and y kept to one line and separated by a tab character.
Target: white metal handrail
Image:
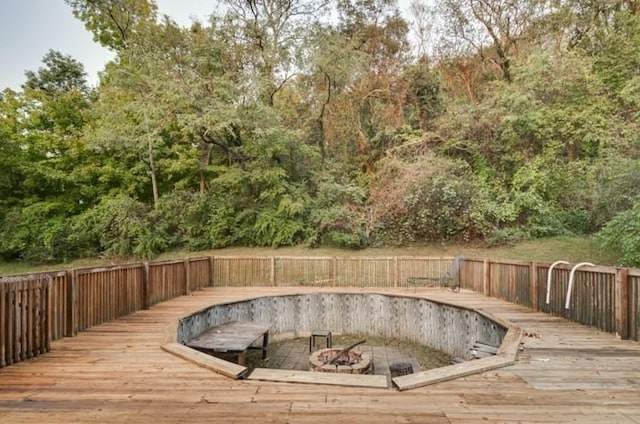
570	288
549	278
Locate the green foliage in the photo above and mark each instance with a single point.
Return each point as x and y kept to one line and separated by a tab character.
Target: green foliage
118	226
261	200
622	235
614	44
182	215
424	95
36	233
616	185
114	23
337	215
261	130
430	200
61	74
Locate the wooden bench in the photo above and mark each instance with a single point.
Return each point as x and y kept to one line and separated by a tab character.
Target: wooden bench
449	280
233	337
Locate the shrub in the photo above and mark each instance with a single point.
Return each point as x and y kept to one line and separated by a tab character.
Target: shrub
337	215
119	226
36	233
431	199
622	235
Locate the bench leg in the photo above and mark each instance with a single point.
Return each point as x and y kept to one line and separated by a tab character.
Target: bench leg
265	343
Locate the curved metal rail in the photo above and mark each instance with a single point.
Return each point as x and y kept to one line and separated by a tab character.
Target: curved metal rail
549	278
570	288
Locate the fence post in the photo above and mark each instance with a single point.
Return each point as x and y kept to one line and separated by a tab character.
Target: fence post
272	272
3	323
486	280
211	282
29	306
187	276
17	320
146	303
9	324
395	272
72	304
621	302
533	278
334	271
49	303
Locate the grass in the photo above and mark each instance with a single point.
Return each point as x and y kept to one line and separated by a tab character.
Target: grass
571	249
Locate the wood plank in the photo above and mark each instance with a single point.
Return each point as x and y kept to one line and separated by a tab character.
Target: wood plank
437	375
206	361
309	377
485	348
511	343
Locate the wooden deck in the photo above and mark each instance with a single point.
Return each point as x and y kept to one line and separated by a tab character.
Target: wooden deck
117	372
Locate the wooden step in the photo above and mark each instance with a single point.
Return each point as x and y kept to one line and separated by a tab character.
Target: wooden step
309	377
450	372
206	361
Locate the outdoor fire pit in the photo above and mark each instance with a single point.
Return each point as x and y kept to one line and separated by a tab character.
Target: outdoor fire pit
338	360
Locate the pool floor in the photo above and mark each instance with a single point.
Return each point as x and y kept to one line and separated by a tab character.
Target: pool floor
294	355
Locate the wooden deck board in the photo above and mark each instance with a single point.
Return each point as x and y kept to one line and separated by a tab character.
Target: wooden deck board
117	372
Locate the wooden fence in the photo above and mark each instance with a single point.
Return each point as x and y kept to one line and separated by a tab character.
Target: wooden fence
38	308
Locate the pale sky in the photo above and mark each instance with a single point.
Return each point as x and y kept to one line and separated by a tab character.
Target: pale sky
29	28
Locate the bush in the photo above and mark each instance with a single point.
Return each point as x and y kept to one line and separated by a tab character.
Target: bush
183	215
119	226
337	215
430	199
622	235
36	233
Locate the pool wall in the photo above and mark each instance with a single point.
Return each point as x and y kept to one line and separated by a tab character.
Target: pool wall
451	329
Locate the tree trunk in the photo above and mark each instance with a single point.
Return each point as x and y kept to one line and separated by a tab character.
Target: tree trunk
152	162
154	176
205	159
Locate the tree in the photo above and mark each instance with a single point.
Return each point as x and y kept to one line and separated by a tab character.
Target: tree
426	199
12	157
50	174
114	23
424	98
61	74
493	29
204	97
422	16
356	78
270	32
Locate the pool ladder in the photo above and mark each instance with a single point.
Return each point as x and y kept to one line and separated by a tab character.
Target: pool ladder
571	277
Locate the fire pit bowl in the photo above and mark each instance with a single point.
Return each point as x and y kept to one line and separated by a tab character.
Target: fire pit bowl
351	362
